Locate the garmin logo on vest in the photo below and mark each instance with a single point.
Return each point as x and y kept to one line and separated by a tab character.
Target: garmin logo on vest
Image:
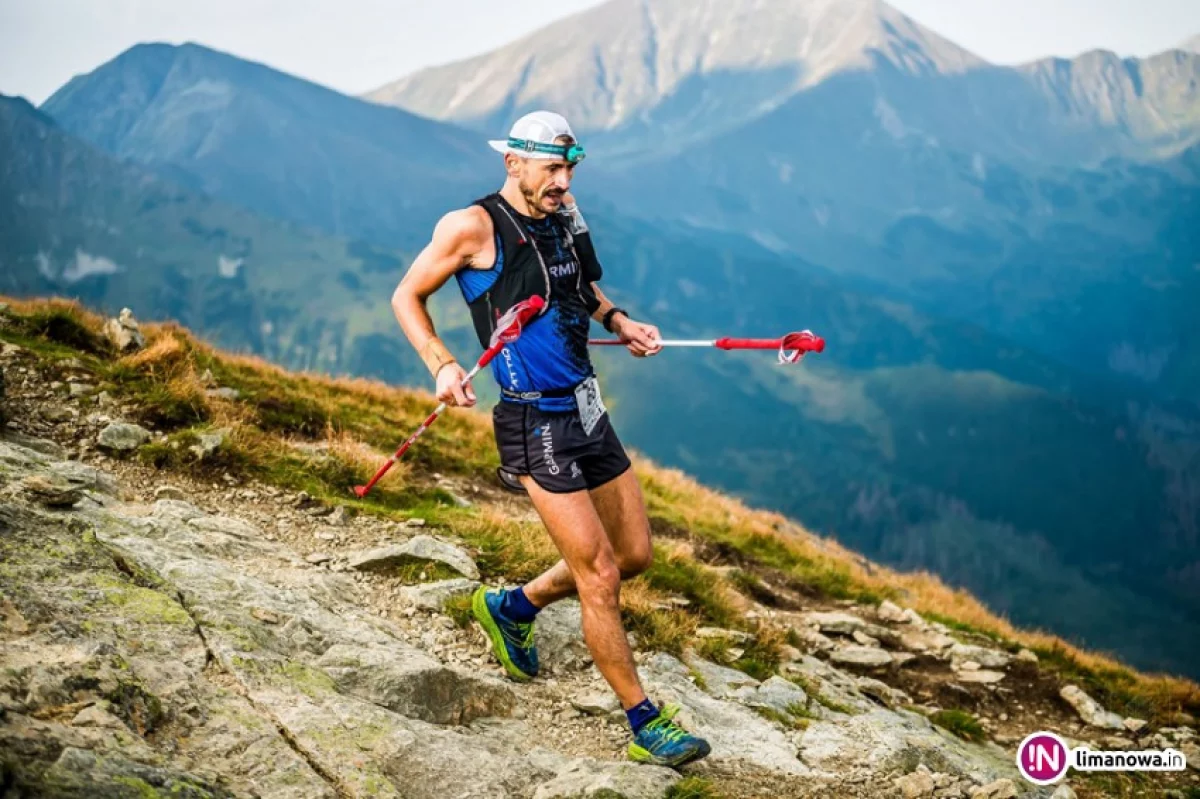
564	270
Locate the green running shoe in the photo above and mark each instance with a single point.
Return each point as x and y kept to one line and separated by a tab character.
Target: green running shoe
512	641
662	742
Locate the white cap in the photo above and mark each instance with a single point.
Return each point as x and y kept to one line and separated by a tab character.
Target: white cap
538	127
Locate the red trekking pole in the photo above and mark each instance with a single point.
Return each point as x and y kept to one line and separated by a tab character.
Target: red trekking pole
508	329
792	347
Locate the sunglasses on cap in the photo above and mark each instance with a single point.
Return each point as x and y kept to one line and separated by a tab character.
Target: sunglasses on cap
571	153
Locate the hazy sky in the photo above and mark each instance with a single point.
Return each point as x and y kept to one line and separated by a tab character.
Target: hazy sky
357	45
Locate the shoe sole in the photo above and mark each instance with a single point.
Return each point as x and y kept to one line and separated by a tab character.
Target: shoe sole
640	754
479	610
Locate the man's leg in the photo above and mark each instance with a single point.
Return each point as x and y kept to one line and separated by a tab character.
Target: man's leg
590	564
622	513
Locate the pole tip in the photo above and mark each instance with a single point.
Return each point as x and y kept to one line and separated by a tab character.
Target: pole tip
360	491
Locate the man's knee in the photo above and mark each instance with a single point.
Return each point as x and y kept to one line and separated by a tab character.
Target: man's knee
599	582
634	561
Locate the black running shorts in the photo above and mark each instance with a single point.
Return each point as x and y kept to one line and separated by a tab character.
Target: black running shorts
552	447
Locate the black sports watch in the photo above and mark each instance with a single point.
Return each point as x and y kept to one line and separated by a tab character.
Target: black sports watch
607	321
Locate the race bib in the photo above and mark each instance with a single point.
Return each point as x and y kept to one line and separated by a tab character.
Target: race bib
591	406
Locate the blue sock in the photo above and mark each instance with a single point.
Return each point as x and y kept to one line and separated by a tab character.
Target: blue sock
517	607
641	714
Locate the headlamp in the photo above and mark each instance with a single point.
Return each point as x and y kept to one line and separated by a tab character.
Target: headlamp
571	153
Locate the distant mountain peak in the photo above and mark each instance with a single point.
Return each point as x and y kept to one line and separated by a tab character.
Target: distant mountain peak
1192	44
609	65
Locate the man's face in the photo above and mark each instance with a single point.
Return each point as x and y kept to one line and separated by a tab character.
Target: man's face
543	182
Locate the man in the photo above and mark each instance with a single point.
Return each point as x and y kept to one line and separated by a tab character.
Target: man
552	429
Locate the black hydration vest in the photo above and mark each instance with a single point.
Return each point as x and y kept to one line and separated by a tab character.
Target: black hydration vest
523	269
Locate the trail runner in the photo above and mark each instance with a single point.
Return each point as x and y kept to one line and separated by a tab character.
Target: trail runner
553	432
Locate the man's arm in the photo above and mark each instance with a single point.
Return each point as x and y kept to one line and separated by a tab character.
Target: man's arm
639	338
456	241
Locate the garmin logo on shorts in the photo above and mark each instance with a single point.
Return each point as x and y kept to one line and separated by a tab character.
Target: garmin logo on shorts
548	448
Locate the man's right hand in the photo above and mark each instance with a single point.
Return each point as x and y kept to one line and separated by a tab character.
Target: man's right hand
450	389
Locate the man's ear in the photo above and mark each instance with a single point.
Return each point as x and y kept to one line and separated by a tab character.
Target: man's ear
512	165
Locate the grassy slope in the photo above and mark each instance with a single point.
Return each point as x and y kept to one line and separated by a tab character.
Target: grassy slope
349	418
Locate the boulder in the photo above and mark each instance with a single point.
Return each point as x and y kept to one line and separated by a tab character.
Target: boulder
431	596
421	547
124	332
559	636
865	657
1090	710
719	681
122	437
985	657
587	778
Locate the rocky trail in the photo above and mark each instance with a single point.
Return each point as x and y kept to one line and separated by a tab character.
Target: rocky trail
184	632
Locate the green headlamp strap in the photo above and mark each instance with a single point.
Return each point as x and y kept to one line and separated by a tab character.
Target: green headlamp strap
571	153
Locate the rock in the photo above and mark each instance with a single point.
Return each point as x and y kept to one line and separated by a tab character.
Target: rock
1000	789
719	681
339	518
405	680
414	523
124	332
432	596
777	694
208	444
1116	742
813	640
886	694
1028	656
981	676
867	657
223	393
916	785
736	733
97	715
913	618
862	638
80	390
967	665
317	558
925	641
266	616
829	685
1134	725
1090	710
39	445
844	624
987	658
122	437
421	547
1063	791
169	492
901	658
890	611
50	493
559	636
593	779
884	740
603	703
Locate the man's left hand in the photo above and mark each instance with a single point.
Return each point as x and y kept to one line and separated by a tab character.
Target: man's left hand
640	339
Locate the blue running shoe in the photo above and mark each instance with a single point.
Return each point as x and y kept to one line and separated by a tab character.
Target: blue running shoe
662	742
512	641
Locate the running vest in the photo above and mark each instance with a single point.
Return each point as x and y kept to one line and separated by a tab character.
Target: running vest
551	257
